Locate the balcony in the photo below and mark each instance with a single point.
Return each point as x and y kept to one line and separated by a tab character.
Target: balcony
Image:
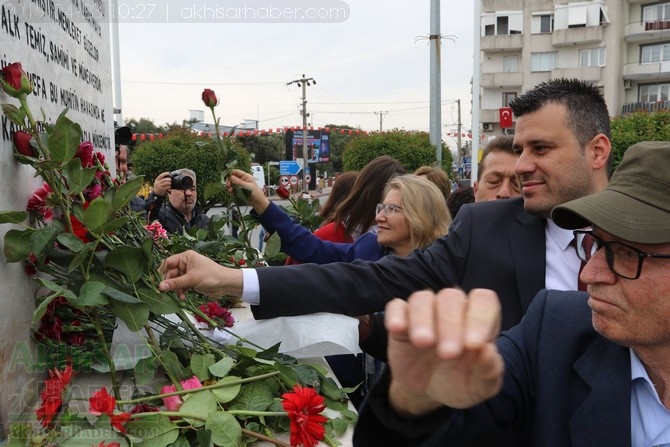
647	31
589	74
577	36
646	106
491	80
502	43
647	72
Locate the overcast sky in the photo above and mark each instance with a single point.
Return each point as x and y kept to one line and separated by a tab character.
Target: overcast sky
376	60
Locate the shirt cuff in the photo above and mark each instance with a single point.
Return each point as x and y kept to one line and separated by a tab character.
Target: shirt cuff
251	289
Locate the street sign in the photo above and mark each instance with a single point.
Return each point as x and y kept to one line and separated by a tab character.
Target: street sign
283	180
293	180
288	167
308	178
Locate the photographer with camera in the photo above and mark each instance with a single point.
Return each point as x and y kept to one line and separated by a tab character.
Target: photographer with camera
178	212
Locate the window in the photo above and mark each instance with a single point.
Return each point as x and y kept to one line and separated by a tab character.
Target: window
542	23
580	14
654	92
592	57
501	24
543	61
510	64
507	97
650	54
655	13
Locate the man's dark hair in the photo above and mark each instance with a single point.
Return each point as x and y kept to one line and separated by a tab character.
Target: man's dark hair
504	143
587	112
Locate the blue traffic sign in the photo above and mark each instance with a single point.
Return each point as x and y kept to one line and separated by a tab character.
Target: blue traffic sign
289	167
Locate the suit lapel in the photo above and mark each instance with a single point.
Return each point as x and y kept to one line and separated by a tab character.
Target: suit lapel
527	241
603	418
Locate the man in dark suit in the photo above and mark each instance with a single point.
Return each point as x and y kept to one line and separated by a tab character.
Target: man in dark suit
580	369
562	138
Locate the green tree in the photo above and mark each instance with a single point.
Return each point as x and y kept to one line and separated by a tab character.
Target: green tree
264	147
338	141
412	149
638	126
144	125
183	149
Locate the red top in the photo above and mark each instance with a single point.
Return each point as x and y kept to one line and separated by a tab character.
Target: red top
330	232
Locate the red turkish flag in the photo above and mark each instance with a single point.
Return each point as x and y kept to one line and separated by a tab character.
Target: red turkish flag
505	117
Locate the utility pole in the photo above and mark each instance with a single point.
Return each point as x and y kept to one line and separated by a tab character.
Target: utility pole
460	126
381	118
435	81
304	82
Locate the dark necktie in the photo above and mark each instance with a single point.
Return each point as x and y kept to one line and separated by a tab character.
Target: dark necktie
587	246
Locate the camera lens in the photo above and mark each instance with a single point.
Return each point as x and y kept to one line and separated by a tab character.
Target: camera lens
180	181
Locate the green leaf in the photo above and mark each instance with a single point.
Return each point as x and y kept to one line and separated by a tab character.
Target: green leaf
14	114
273	246
227	393
90	294
134	315
17	245
145	370
199	404
204	437
77	178
14	217
154	431
222	367
254	396
70	241
41	310
170	363
128	260
97	215
159	304
42	240
226	431
121	297
200	365
83	256
183	442
126	192
64	140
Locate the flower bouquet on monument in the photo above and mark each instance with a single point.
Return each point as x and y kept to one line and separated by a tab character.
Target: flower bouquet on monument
95	262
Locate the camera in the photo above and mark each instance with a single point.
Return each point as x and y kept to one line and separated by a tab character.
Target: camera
180	181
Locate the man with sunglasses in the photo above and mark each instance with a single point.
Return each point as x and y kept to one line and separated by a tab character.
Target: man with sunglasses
581	369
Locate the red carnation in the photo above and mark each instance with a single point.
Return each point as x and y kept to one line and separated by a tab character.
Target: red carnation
101	403
52	395
85	153
209	98
118	420
304	406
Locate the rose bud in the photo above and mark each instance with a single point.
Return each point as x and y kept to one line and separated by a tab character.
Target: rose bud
21	141
15	81
209	98
283	192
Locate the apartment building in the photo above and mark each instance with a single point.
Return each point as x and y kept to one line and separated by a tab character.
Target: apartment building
621	46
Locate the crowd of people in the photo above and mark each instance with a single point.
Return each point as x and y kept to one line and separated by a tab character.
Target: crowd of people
538	316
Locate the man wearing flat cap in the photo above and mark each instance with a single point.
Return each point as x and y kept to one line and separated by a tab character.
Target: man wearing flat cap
581	369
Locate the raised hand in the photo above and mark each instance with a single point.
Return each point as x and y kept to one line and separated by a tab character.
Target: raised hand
257	200
442	350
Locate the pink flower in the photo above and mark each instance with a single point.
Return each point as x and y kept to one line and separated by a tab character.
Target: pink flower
156	230
173	403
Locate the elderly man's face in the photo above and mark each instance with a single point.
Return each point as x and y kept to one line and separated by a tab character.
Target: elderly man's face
633	313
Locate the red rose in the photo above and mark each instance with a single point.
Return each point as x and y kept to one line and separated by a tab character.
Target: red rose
22	143
283	192
209	98
101	403
15	81
119	419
